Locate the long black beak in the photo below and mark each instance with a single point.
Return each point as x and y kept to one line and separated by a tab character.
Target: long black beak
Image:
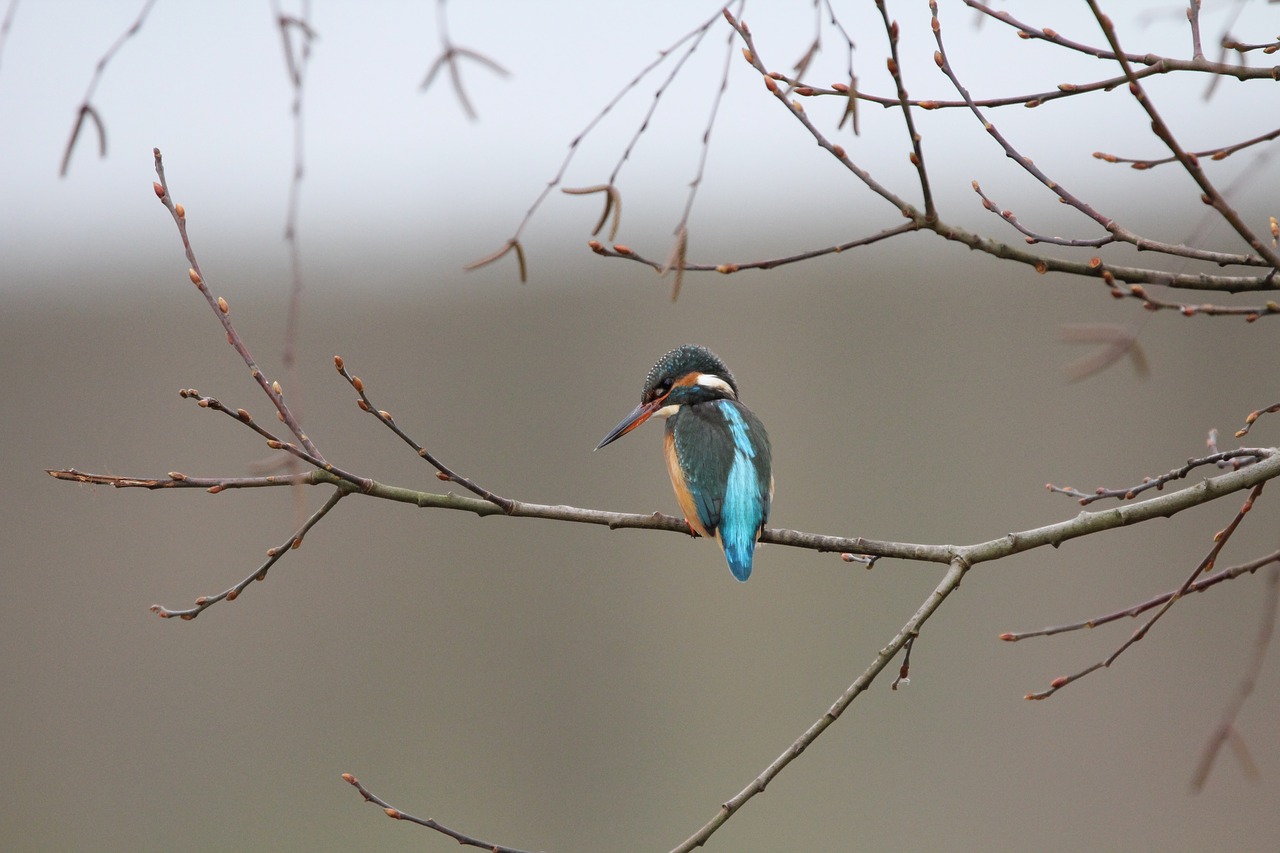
639	415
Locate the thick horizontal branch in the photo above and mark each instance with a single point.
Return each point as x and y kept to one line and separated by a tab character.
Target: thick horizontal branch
1084	524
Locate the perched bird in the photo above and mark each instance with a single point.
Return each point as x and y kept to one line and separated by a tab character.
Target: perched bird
717	451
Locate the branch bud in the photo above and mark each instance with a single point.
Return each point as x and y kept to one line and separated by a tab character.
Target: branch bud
223	306
155	185
338	362
195	277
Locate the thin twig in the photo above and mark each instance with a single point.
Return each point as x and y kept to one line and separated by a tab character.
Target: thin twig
1262	642
395	814
1189	162
86	109
1136	610
1238	458
445	473
222	311
449	57
1219	541
293	543
513	242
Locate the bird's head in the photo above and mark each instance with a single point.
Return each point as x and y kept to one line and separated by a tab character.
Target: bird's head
688	374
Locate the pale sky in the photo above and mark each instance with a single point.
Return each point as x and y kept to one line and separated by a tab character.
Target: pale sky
387	163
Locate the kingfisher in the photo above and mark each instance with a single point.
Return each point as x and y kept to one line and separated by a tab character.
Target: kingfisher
717	451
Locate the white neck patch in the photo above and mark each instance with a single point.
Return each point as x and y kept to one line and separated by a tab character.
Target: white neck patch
710	380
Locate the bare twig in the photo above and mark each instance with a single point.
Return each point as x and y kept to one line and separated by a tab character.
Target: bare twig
444	472
1189	162
222	311
86	109
1136	610
693	38
293	543
1219	541
449	57
1253	417
1237	458
395	814
1227	727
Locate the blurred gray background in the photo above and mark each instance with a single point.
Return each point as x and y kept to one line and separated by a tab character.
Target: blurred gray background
561	687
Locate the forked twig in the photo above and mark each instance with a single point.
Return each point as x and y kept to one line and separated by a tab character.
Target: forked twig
86	109
1219	541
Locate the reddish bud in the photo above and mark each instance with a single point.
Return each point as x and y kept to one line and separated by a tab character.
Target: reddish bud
838	151
806	91
195	277
770	85
223	306
1042	267
840	87
1050	33
1060	681
621	249
595	246
214	489
440	475
364	407
155	185
233	595
1008	637
937	58
177	475
338	362
357	383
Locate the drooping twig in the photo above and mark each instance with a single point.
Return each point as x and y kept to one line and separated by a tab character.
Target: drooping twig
450	56
395	814
1227	727
1219	541
1114	343
86	109
694	38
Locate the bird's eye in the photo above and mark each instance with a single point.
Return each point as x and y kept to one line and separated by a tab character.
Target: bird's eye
665	385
